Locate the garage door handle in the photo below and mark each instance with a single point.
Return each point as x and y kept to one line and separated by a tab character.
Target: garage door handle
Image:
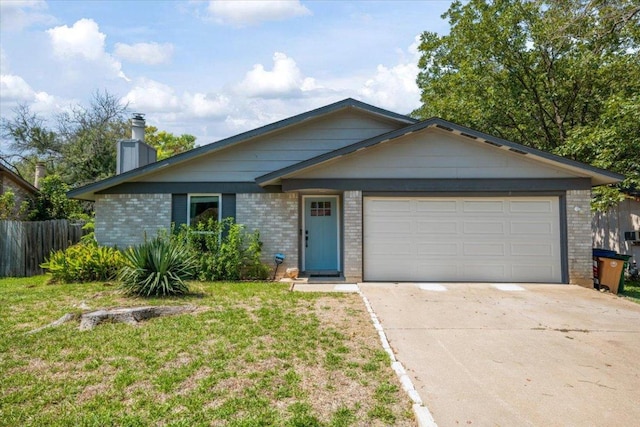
306	238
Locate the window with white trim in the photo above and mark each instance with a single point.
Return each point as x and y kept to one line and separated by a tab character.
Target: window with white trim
201	207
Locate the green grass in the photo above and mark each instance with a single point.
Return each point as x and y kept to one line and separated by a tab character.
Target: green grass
632	290
253	354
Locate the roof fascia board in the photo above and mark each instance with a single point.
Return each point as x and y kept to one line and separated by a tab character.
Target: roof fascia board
242	137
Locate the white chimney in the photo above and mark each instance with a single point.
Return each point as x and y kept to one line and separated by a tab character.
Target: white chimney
137	126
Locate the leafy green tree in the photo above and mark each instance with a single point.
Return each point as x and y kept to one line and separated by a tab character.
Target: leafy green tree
9	210
549	74
167	144
52	201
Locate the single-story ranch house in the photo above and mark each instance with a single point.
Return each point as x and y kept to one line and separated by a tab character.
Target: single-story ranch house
361	193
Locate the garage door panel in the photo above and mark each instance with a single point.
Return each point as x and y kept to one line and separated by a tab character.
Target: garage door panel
532	249
439	270
533	273
390	206
444	227
490	272
532	228
499	239
435	206
392	226
483	249
528	207
483	206
391	249
444	249
484	227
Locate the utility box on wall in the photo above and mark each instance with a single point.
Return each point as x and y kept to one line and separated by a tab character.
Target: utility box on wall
633	236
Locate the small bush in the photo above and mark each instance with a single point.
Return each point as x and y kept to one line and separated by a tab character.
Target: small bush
157	267
84	262
225	250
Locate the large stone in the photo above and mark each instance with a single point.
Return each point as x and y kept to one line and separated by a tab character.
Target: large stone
131	315
292	273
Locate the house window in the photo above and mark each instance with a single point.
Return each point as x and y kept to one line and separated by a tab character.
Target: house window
201	207
320	208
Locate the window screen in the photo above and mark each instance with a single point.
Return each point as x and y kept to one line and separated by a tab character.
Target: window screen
201	208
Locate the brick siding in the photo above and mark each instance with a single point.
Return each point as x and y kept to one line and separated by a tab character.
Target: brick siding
352	236
579	237
275	215
125	219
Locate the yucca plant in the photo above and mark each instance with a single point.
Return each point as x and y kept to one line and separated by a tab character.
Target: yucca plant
158	267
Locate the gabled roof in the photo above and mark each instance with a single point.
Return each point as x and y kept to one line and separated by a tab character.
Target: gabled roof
237	139
17	179
598	176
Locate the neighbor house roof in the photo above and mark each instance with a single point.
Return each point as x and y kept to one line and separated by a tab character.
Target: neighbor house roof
598	176
17	179
83	192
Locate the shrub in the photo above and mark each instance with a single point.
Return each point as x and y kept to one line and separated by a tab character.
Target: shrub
84	262
157	267
225	250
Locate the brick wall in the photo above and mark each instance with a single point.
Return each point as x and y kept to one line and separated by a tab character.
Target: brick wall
275	215
124	219
352	236
18	191
579	237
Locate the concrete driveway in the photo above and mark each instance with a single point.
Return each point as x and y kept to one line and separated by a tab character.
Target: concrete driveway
515	355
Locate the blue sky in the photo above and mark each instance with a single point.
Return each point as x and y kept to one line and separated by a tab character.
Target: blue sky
213	68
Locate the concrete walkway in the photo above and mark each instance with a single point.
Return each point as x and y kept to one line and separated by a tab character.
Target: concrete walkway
515	355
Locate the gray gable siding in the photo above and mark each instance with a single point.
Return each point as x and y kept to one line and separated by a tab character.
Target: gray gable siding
278	150
434	154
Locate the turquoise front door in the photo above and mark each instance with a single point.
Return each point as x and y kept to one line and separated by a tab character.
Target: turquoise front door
320	235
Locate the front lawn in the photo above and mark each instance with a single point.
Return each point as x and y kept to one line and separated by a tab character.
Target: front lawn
253	354
632	290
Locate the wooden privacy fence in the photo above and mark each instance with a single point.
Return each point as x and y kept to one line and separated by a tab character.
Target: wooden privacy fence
24	245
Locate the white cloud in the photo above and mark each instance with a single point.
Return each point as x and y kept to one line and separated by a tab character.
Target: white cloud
14	88
395	87
251	12
151	96
84	40
203	105
285	80
145	53
18	14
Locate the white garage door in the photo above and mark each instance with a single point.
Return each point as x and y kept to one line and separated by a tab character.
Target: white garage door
479	239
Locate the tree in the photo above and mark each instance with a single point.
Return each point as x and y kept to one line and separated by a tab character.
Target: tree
8	208
28	133
89	136
167	144
52	201
544	73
